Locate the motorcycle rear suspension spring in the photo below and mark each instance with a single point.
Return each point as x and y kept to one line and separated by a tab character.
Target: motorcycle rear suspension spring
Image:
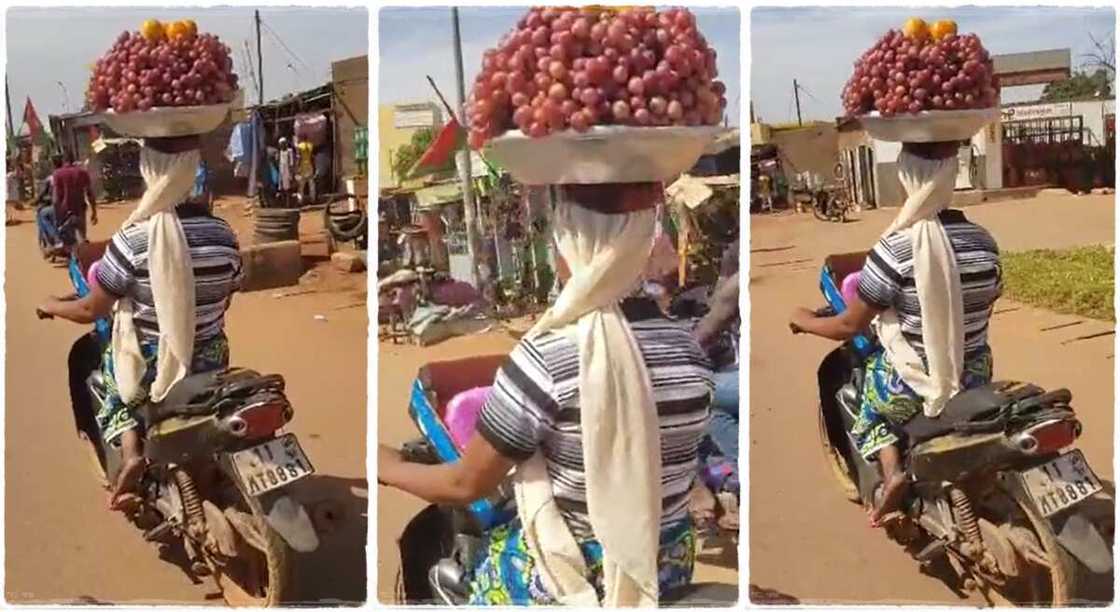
966	518
192	503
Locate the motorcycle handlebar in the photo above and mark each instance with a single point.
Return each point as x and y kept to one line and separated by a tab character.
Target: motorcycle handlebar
824	311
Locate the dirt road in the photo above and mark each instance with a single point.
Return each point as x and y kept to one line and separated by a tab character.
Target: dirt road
63	546
807	542
397	366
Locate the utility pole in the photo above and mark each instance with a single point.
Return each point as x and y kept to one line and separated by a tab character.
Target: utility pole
469	212
8	101
260	60
797	100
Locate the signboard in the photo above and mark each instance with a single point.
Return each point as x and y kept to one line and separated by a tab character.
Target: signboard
408	116
1034	77
1039	111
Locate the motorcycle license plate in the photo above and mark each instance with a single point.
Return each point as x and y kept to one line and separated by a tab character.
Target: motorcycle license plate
274	464
1061	483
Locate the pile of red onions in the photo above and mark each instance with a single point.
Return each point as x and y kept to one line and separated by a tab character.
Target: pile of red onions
139	74
576	68
901	74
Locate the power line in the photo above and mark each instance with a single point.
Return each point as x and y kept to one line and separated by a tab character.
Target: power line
281	42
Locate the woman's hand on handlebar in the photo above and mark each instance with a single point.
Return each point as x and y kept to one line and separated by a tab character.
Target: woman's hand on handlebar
798	321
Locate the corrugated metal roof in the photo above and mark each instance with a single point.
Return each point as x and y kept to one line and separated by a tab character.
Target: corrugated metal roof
1052	59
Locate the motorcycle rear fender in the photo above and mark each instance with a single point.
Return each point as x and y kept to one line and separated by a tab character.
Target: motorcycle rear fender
285	515
290	519
1075	528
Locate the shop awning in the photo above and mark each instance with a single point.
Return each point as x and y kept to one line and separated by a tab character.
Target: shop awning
101	144
438	195
689	191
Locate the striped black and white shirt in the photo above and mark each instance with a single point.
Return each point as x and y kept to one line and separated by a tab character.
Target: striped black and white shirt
534	403
887	280
215	258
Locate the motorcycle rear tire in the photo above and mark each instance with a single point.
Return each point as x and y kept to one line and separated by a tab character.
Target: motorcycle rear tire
835	463
1063	572
276	569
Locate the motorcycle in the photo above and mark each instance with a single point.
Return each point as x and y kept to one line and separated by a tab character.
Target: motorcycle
996	487
70	234
440	544
719	472
217	468
831	204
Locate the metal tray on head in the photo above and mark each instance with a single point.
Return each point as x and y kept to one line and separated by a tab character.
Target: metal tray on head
603	154
928	126
170	121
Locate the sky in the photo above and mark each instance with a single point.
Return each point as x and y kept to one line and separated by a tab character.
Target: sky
38	61
410	49
817	46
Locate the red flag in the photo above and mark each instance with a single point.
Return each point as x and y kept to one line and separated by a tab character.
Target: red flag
31	118
451	138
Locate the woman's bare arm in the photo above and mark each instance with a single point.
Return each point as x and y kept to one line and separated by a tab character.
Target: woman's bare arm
839	327
97	304
477	474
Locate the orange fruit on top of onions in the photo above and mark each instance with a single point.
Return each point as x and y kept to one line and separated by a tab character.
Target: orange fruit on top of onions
176	30
151	30
943	28
915	28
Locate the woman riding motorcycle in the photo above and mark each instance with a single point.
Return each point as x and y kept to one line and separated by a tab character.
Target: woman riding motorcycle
927	288
601	408
167	278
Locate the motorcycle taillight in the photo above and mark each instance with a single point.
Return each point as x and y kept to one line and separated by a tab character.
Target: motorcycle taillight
261	418
1048	437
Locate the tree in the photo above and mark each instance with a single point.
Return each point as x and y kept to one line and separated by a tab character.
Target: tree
1081	84
1103	55
405	157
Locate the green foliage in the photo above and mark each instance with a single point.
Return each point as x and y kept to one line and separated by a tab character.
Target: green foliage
1080	85
404	157
1076	281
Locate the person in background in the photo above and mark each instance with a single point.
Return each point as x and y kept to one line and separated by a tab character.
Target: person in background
766	192
72	192
322	171
305	174
722	321
286	157
49	239
200	193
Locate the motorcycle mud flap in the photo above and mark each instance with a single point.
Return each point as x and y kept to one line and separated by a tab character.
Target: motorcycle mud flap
1080	537
290	520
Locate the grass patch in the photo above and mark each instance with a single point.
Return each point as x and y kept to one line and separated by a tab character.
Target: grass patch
1076	281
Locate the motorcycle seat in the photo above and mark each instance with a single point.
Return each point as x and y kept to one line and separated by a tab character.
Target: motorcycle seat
208	392
971	406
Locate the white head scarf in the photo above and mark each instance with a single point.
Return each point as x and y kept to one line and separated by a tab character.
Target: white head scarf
169	177
606	254
929	185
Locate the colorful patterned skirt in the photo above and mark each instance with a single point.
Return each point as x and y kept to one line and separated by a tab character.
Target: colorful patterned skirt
504	574
117	416
888	402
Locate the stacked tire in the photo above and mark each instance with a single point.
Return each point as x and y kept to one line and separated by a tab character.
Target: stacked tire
276	225
343	224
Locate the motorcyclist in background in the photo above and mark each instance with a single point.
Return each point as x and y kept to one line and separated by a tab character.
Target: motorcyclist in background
723	426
